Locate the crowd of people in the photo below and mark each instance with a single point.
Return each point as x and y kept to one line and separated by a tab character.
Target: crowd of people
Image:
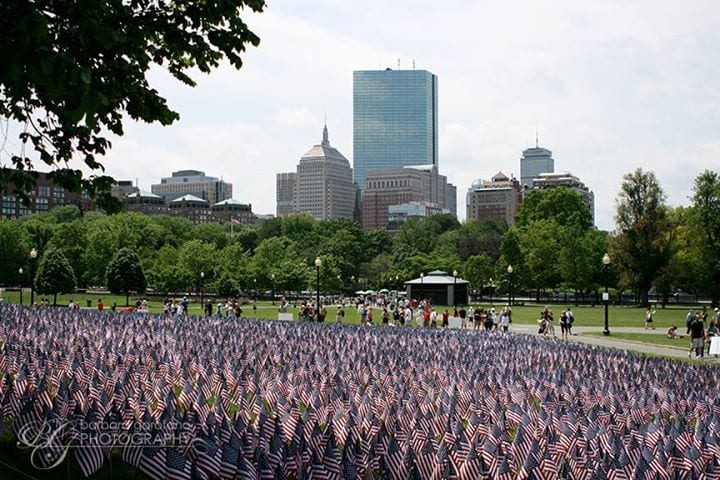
546	323
700	331
422	313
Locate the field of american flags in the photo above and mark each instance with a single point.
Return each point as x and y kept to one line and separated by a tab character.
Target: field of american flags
218	398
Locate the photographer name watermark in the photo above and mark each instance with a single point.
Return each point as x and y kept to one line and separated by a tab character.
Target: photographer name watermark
49	441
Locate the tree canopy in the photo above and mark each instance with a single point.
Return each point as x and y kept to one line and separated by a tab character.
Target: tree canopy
548	251
564	206
125	273
73	71
54	274
705	218
642	241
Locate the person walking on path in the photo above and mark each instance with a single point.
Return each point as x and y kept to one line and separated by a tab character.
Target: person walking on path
688	320
712	331
505	319
697	337
571	320
649	318
407	317
549	327
433	317
564	325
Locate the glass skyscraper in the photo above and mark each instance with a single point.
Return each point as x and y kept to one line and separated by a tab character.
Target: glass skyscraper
534	162
395	121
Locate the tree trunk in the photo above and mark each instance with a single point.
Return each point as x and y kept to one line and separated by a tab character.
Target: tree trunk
644	297
665	298
55	300
127	298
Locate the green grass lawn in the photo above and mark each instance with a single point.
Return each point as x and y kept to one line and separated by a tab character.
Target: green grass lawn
584	315
655	339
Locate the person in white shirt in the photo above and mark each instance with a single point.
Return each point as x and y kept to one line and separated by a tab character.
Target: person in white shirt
433	318
408	316
505	319
419	317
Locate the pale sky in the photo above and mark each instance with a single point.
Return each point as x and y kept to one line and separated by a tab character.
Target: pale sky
610	86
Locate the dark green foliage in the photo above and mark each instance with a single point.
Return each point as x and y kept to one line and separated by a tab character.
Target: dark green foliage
227	287
15	253
125	273
705	220
564	206
54	274
643	240
72	71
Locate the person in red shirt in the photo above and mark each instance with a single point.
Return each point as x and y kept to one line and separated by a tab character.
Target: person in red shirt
446	317
100	305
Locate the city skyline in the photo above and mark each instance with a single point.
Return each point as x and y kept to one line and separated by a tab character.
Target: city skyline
609	88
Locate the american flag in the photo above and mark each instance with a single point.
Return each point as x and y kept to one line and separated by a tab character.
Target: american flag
269	400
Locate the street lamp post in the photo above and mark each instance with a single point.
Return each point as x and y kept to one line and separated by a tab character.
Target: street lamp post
202	292
510	271
20	271
318	264
272	287
455	274
33	256
606	295
422	286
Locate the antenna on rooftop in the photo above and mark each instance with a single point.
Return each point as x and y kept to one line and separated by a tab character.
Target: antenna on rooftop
398	64
413	64
536	138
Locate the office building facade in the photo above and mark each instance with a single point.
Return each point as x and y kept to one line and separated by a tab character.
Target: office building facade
413	184
195	183
395	120
45	196
233	211
286	191
533	162
195	209
146	202
399	214
498	199
322	186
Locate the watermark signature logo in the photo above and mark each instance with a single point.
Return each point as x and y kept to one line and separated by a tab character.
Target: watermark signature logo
50	440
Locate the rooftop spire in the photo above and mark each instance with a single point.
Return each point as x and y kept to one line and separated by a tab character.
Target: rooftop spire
536	138
325	140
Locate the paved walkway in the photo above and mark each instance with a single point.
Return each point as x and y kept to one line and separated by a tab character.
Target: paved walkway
581	334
